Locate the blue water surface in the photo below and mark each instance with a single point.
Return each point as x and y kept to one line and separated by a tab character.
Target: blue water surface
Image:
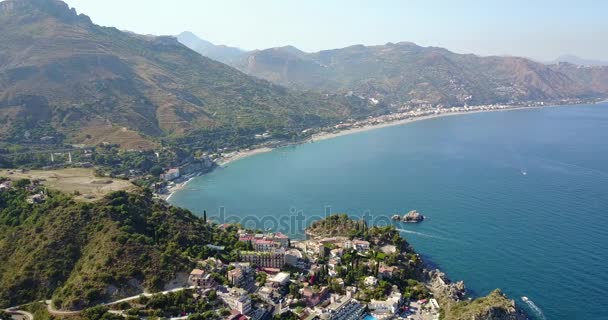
515	200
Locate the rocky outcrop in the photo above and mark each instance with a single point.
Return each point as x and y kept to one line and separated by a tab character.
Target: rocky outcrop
443	288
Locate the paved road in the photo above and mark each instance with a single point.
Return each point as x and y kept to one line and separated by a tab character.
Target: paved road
146	295
20	314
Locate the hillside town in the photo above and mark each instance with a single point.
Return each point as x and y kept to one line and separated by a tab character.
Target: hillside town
337	278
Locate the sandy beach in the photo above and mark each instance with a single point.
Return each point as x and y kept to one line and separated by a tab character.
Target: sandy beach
330	135
237	155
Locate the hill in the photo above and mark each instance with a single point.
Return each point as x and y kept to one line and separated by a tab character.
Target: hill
570	58
61	76
407	74
221	53
81	254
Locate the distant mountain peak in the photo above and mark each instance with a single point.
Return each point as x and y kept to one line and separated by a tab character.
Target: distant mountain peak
220	53
574	59
54	8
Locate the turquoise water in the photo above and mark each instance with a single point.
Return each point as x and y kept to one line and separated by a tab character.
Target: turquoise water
516	200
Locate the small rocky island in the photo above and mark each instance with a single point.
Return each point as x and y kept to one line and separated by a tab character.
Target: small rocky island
411	217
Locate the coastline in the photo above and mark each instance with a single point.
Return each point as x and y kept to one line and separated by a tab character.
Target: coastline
238	155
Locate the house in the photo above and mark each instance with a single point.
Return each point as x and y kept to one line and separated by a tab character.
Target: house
386	272
314	297
37	198
196	275
338	252
361	245
171	174
371	281
383	308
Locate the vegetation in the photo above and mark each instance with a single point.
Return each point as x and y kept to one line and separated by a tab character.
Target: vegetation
140	89
495	305
80	253
405	73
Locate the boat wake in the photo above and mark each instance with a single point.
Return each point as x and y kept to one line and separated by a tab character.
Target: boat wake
422	234
534	308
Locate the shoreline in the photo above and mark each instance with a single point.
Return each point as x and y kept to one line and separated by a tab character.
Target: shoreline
238	155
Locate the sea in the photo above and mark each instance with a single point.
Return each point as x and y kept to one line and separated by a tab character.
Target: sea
516	200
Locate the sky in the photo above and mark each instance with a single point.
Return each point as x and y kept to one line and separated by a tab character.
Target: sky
538	29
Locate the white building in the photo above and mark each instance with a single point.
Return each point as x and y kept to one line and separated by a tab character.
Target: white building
371	281
386	307
237	299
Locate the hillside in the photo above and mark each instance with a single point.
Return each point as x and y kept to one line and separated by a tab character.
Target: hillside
84	253
61	76
221	53
405	73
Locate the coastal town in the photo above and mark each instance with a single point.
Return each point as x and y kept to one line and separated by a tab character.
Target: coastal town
338	278
342	269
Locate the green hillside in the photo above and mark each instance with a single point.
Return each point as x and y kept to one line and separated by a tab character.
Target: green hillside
84	253
86	83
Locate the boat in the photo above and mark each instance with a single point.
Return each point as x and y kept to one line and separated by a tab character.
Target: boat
525	299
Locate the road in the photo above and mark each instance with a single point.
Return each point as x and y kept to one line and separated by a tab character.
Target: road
19	314
146	295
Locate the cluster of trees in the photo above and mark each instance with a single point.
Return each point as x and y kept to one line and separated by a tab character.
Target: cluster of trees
52	248
173	304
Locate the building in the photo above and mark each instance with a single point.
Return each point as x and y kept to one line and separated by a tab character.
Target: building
386	272
344	308
371	281
242	276
293	257
237	299
266	242
383	308
170	175
280	279
313	297
265	245
361	245
282	239
273	259
195	276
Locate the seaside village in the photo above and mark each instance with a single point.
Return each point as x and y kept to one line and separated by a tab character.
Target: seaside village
276	278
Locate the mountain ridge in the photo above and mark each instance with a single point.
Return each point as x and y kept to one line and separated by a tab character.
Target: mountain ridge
60	71
405	73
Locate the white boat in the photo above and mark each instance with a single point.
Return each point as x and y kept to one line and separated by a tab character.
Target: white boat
525	299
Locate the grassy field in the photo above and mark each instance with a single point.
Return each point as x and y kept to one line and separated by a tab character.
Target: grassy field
72	180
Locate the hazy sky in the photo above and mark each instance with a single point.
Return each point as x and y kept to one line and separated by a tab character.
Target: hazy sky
540	29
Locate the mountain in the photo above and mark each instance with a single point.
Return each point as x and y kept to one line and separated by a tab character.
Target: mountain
405	73
220	53
65	76
83	253
569	58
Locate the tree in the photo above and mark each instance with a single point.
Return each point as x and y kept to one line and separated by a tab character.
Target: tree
204	216
156	170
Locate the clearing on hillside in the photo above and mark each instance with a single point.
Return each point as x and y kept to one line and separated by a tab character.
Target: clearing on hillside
71	180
